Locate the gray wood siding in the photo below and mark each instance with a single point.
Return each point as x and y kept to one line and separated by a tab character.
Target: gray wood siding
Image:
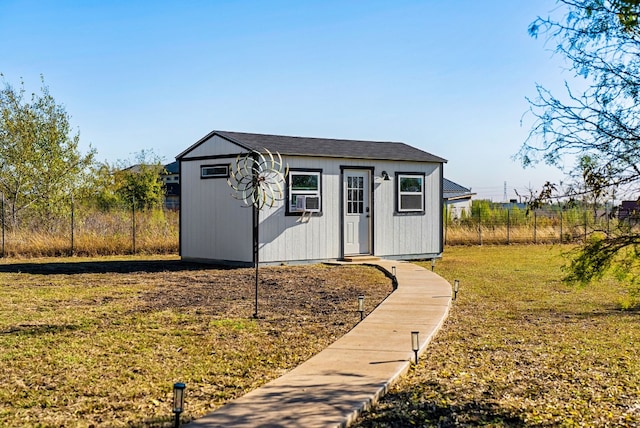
287	238
400	234
316	237
214	225
214	146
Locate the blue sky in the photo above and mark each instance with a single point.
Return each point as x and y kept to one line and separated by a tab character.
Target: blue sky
449	77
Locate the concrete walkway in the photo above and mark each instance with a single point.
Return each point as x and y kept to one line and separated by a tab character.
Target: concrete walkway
333	387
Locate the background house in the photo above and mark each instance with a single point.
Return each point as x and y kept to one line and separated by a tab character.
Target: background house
457	199
342	198
171	179
629	211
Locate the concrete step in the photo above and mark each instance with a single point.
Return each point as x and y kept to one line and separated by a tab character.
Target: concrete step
361	259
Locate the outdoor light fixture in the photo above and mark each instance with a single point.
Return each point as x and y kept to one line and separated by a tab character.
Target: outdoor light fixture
385	175
361	306
433	264
394	282
456	287
178	401
415	343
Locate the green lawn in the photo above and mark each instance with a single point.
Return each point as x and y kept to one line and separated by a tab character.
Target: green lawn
521	348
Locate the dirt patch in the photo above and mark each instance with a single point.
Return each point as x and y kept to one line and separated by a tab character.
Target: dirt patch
312	291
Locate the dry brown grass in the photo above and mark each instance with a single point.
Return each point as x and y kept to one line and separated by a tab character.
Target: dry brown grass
97	233
100	342
501	235
522	349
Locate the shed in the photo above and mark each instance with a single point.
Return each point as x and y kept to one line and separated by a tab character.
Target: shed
341	198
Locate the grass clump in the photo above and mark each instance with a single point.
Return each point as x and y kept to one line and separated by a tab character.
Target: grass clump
522	348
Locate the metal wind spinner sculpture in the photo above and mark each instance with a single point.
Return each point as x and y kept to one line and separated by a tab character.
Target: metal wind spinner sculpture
257	180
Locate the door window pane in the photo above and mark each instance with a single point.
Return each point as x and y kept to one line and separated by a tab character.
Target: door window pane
355	195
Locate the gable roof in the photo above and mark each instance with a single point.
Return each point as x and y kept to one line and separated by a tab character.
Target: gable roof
451	190
322	147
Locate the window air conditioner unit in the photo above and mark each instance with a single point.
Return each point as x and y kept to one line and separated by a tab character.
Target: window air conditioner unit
308	203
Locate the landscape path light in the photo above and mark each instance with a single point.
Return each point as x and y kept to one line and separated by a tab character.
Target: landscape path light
415	343
456	287
433	264
394	279
178	401
361	306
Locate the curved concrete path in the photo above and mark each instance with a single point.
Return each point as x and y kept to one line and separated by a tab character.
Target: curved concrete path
333	387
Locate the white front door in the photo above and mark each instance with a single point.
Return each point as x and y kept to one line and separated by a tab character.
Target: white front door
357	214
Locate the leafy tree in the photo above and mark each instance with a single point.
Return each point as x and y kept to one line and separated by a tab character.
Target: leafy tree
592	184
599	125
480	208
40	163
101	190
126	182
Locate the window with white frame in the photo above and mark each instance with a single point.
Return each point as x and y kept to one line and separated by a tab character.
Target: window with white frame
410	192
304	191
214	171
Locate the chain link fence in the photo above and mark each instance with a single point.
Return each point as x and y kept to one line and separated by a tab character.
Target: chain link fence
87	231
541	226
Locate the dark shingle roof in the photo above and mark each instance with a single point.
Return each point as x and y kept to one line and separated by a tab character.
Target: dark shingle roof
453	190
172	168
323	147
450	186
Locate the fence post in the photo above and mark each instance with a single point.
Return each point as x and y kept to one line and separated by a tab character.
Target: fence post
585	225
479	227
535	227
133	222
561	224
508	226
72	225
3	225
